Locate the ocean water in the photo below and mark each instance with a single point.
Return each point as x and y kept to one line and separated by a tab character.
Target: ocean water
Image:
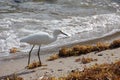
80	19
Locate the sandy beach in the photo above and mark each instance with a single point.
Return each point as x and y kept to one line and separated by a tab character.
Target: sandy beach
93	38
58	67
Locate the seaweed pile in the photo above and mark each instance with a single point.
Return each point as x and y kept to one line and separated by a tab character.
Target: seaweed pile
115	44
85	60
53	57
84	49
13	77
34	65
14	50
96	72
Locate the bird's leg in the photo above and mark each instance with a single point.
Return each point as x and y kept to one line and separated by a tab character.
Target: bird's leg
39	54
30	54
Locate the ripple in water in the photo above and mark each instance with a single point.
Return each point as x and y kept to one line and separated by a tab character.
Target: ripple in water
79	28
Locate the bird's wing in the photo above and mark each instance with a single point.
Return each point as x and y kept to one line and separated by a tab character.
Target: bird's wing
38	38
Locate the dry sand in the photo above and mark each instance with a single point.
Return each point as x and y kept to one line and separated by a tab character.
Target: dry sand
59	67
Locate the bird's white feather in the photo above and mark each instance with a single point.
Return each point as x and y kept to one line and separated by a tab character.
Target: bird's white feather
37	38
41	38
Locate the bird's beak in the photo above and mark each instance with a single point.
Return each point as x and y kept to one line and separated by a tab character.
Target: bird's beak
64	33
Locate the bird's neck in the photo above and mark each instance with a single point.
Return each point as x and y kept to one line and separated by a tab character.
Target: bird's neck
54	36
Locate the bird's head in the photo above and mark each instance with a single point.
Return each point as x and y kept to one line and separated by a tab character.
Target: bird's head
57	32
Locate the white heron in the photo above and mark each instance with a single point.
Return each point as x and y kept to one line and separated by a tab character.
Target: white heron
39	39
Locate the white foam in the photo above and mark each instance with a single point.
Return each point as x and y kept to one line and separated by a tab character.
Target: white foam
96	26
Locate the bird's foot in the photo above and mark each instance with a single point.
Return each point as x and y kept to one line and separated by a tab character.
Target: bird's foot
34	65
27	67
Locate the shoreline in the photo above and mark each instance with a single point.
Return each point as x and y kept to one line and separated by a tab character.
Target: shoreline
59	67
106	39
